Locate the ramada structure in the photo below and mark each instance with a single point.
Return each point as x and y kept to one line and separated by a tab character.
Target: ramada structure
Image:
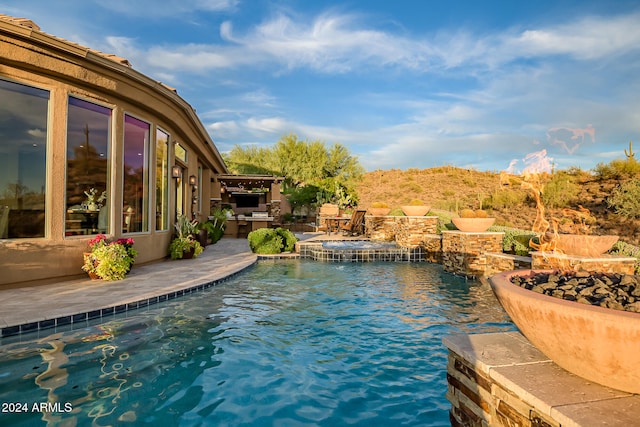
89	145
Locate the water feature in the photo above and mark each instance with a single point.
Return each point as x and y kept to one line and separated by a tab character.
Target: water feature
285	343
359	251
358	244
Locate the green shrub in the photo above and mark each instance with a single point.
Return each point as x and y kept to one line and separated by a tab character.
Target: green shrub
396	212
289	239
622	248
617	169
271	241
444	220
561	191
506	198
625	199
515	241
265	241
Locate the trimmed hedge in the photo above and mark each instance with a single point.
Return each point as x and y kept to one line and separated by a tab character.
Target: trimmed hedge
271	241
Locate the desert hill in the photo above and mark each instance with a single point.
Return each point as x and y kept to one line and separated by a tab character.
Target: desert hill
452	189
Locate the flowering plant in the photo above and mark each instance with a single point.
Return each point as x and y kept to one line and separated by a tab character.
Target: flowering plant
109	260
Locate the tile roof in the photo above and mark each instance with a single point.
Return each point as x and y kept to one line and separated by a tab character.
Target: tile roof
27	23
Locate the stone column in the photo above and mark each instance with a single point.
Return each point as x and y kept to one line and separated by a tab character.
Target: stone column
465	253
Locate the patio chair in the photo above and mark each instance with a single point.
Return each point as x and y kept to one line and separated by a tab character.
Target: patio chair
327	210
355	226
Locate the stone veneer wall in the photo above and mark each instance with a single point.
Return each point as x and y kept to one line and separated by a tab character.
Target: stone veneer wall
465	253
275	211
499	262
380	227
603	263
414	232
478	400
410	231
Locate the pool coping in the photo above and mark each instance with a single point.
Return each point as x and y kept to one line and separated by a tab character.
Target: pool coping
73	303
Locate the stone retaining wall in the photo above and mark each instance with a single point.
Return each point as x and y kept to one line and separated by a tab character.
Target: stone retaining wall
380	227
465	253
408	231
499	262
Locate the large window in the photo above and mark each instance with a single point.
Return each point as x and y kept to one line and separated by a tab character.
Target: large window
23	147
87	198
136	175
162	180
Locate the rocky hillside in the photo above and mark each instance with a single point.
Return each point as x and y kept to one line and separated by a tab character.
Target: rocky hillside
451	189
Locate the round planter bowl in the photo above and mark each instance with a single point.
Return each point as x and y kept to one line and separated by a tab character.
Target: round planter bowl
476	225
379	211
415	210
599	344
589	246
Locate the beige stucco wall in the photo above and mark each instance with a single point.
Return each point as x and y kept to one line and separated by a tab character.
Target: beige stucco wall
34	58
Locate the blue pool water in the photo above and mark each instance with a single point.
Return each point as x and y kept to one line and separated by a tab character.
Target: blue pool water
290	343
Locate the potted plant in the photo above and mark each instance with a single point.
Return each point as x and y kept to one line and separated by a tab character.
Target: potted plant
473	221
109	260
416	207
184	245
379	209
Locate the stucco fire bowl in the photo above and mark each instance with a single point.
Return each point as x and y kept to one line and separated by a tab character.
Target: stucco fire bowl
475	225
599	344
584	245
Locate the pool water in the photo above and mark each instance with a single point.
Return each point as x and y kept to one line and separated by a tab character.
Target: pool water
287	343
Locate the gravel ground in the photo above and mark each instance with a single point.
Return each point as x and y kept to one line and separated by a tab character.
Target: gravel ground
610	290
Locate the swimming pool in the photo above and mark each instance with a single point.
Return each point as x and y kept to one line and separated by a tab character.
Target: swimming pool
284	343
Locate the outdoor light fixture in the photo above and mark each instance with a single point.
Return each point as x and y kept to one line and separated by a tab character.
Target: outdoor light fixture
176	172
193	180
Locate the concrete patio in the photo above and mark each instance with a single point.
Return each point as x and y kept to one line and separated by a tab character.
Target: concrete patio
31	307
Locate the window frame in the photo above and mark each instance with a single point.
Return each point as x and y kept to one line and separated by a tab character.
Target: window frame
146	180
109	203
48	154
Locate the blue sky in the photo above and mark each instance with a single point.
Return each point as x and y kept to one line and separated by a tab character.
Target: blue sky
402	84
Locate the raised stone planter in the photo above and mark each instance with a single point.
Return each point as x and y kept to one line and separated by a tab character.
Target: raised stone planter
411	231
465	253
380	227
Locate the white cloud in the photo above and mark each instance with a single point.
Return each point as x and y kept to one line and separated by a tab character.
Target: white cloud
335	43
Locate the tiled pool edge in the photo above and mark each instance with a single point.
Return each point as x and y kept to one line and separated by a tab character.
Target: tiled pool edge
111	310
316	252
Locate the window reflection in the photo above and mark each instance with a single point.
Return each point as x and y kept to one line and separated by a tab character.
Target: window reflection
87	198
136	175
23	132
162	180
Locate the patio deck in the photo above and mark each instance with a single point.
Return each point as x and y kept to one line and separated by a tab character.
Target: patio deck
31	307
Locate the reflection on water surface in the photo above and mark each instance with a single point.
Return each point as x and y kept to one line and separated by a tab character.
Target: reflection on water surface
288	343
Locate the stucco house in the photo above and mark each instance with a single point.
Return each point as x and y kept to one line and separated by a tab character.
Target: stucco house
90	145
